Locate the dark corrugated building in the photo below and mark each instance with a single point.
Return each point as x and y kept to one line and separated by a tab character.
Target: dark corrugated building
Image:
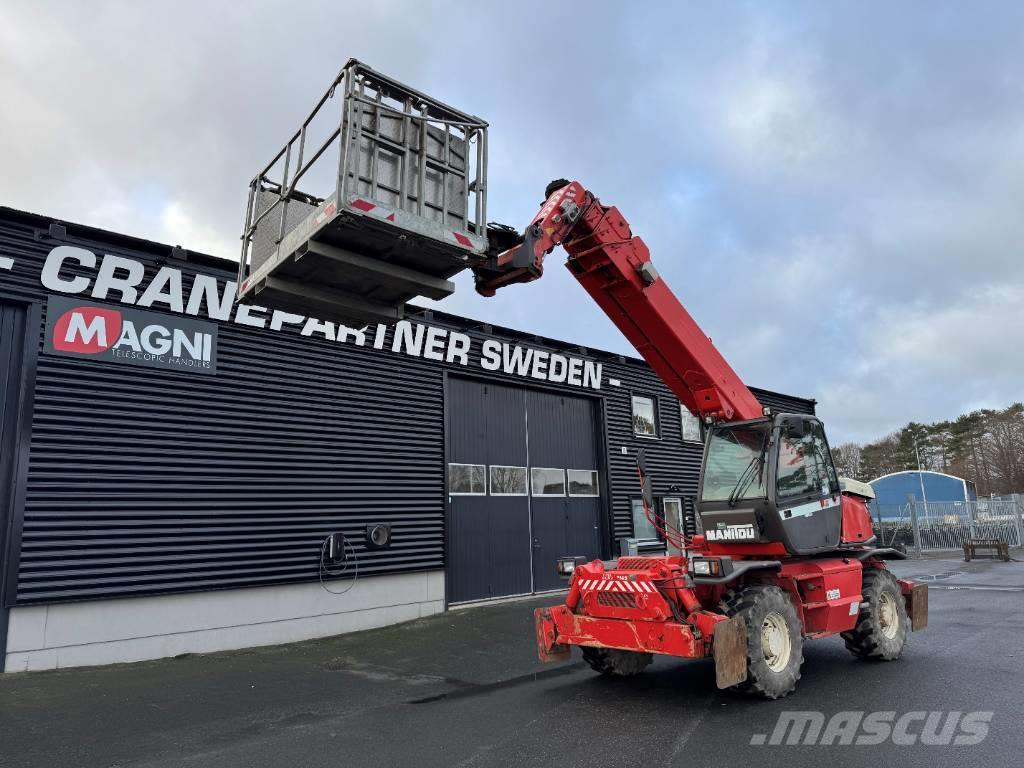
172	464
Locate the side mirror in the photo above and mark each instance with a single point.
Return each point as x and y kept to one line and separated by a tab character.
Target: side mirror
648	492
795	426
641	461
645	480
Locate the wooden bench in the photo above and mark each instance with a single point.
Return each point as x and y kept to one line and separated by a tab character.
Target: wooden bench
997	548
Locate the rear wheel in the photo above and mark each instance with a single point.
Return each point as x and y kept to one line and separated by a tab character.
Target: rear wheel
881	631
775	644
611	661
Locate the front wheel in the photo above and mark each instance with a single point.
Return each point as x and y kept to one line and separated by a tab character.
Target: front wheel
611	661
881	630
775	643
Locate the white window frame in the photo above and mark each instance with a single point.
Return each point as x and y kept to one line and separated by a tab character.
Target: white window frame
471	492
633	502
654	415
565	485
685	416
526	479
666	501
597	484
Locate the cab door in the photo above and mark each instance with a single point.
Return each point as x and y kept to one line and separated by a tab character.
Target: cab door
806	490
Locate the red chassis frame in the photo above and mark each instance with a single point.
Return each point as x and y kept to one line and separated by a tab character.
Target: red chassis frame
649	605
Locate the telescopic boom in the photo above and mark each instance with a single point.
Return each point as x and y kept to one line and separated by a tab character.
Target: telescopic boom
615	268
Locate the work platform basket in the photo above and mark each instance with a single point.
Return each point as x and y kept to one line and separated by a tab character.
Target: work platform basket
379	197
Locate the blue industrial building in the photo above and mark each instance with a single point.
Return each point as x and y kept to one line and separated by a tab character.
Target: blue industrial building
891	491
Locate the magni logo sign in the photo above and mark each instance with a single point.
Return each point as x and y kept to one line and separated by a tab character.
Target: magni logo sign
129	336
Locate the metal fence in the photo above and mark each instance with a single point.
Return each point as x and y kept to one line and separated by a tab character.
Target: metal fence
919	526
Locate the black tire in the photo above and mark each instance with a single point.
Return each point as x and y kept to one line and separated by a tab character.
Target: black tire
610	661
874	637
770	674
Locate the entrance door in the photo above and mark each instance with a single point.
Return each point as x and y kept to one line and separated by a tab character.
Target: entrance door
564	483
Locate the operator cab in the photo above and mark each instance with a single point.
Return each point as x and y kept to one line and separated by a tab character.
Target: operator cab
771	480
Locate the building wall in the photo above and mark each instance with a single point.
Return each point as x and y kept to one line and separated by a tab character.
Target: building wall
76	634
144	482
891	491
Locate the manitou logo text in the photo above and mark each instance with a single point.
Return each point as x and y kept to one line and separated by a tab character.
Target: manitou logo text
731	533
130	336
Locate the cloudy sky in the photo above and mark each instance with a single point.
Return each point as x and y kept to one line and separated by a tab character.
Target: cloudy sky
835	190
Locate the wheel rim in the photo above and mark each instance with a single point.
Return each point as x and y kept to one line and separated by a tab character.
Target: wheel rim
775	641
888	616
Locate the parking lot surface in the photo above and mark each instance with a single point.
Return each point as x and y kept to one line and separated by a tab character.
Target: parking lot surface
465	689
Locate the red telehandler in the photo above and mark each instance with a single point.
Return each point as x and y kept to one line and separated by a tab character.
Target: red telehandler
786	551
786	554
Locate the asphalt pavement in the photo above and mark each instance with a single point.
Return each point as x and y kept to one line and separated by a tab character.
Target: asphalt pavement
465	689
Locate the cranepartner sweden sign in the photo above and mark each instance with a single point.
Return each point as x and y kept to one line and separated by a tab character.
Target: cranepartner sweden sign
111	278
129	336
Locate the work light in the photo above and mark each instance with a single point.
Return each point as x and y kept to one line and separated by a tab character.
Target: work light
566	565
705	567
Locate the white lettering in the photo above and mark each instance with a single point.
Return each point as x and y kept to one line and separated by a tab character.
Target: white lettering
731	533
158	346
575	366
183	342
167	278
244	316
107	280
358	335
558	368
129	337
218	305
405	337
315	326
842	728
434	349
121	279
96	329
490	355
279	318
540	365
458	348
516	360
55	261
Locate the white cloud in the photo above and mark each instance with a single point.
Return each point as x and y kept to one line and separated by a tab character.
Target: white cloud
834	193
180	226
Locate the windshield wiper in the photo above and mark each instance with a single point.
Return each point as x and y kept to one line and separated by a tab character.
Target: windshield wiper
745	479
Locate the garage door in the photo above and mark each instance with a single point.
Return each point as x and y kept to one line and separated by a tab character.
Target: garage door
524	484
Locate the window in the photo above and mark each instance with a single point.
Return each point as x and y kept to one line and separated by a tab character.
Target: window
805	465
673	512
643	416
690	425
583	482
642	527
467	480
547	482
827	468
735	463
508	481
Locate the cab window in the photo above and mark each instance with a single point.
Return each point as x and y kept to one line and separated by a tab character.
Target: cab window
805	465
